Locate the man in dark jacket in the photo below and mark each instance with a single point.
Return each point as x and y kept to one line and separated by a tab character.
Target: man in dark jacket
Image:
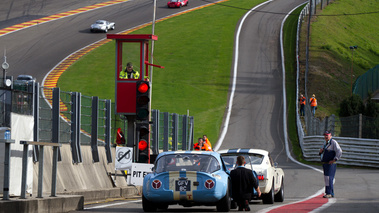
243	183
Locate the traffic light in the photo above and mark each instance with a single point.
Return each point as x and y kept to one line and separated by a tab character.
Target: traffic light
143	142
142	100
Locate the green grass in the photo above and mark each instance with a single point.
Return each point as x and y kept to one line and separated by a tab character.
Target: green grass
337	27
289	45
196	50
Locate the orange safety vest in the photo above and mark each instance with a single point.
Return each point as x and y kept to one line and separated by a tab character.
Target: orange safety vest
208	142
302	101
313	102
205	147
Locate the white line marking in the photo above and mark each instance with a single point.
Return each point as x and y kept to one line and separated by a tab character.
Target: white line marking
229	108
113	204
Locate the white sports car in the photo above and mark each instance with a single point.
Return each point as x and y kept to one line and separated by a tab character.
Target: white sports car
271	178
103	26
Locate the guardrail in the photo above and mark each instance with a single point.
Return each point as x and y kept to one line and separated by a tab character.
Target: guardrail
357	152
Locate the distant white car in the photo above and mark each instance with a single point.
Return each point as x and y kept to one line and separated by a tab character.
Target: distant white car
102	26
271	178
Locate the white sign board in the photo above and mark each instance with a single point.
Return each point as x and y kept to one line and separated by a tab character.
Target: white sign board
124	156
139	171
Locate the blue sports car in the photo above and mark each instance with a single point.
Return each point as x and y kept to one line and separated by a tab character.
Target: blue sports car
187	178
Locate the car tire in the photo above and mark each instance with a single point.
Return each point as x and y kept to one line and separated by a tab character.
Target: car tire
147	205
106	30
269	197
224	204
112	28
163	207
279	197
233	204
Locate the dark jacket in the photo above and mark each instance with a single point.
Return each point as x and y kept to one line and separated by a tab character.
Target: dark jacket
243	183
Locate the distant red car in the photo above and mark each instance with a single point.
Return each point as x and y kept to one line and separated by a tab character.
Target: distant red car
177	3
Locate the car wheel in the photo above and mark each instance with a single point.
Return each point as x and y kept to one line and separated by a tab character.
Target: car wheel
279	197
224	204
269	197
163	207
147	205
106	30
113	27
233	204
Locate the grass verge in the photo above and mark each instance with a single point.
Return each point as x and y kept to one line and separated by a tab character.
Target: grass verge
196	50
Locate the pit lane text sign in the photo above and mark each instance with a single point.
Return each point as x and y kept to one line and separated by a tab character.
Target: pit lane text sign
139	171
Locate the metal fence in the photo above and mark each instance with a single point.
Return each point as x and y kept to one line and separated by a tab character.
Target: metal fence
75	119
356	126
171	131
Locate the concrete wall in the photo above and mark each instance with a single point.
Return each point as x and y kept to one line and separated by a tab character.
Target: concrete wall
73	178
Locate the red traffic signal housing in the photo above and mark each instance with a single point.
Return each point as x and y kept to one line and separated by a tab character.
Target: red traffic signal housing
143	134
142	100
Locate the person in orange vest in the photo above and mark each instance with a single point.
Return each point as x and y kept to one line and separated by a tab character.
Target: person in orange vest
201	146
302	102
205	138
313	103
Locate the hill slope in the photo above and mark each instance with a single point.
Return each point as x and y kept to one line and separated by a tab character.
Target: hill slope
333	30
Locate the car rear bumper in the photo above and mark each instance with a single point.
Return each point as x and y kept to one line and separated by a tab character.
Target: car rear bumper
195	197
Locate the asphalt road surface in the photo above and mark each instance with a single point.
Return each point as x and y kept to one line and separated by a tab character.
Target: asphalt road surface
257	112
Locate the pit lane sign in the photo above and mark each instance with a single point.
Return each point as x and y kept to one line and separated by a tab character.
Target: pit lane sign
124	157
139	170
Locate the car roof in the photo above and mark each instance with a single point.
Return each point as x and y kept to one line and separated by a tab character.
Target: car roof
25	76
188	152
243	151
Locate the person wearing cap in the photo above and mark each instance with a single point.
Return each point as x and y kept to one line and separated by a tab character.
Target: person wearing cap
330	153
129	72
313	103
302	102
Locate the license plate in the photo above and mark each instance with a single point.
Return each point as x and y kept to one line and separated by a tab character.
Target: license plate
183	185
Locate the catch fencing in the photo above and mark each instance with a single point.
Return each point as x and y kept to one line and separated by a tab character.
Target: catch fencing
75	119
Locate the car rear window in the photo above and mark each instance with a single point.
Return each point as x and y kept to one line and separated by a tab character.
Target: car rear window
251	159
24	78
187	162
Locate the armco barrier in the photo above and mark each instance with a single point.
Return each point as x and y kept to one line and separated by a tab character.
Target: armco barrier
355	151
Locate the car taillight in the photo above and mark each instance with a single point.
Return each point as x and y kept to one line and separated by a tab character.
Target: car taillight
209	184
261	177
156	184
